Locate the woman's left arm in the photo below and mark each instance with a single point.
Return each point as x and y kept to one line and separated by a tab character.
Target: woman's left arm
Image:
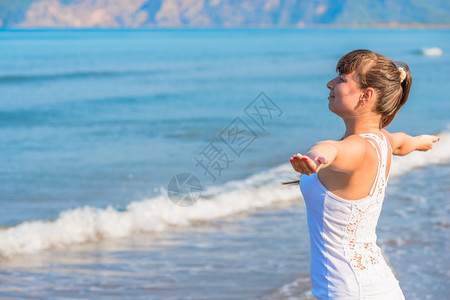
403	144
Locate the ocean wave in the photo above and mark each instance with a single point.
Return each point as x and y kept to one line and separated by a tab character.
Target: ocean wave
159	214
150	215
432	51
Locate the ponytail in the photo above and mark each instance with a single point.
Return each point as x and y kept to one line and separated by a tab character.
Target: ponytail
388	109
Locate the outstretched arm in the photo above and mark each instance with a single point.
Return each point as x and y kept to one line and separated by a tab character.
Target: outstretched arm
342	156
321	154
403	144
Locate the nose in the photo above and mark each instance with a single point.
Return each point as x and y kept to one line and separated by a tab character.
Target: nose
330	84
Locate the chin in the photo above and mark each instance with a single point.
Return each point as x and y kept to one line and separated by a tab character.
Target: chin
337	113
330	108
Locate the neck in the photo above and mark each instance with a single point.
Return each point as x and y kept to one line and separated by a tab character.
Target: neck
360	125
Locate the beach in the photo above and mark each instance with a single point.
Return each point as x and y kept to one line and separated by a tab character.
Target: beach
95	124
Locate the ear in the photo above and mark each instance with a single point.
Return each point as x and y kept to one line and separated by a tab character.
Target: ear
368	96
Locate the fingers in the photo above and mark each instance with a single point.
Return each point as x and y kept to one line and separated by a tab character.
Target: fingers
426	142
431	140
303	164
298	163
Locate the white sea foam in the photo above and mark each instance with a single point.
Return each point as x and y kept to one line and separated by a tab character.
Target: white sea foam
432	51
159	213
149	215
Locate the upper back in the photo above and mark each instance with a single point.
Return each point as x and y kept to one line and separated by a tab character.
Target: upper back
372	155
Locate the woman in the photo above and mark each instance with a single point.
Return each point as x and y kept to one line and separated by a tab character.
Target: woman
344	189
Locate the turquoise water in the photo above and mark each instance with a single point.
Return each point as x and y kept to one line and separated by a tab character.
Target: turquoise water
94	124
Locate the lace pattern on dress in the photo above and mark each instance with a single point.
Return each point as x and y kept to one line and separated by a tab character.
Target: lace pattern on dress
360	245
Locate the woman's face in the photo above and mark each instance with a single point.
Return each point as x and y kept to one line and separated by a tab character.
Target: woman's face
345	94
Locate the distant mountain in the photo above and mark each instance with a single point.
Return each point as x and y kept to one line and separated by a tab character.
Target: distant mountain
219	13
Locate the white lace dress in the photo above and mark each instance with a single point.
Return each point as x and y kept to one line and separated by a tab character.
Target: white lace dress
346	262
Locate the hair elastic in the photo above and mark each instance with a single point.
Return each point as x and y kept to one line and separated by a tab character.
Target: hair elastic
402	74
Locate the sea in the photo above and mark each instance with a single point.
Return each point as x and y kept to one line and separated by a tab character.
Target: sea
147	164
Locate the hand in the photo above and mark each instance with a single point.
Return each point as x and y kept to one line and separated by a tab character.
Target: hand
425	142
309	163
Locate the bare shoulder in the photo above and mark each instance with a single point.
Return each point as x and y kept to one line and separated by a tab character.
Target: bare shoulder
351	152
389	136
352	140
351	145
397	139
355	142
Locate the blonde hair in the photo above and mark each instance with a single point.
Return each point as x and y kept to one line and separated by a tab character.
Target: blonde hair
386	77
